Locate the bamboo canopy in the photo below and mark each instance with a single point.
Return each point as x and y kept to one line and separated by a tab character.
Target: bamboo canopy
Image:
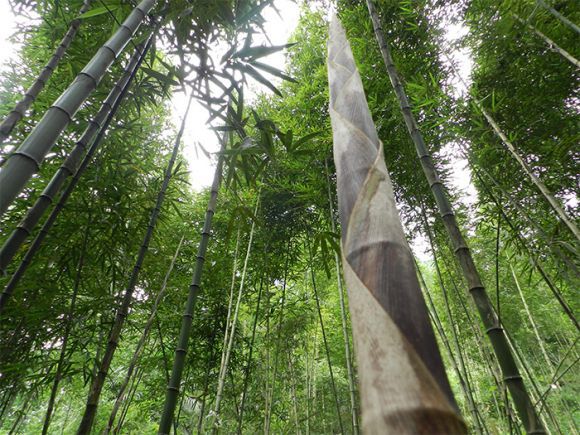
402	380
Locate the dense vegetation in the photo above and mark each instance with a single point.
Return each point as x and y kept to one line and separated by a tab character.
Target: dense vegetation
269	347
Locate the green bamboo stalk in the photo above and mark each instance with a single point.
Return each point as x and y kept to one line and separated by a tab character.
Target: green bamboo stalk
402	380
493	327
37	242
270	392
551	44
187	320
68	168
26	160
559	16
123	310
141	344
19	110
230	303
67	331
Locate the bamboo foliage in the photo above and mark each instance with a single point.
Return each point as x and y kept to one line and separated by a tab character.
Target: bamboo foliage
26	160
402	380
495	332
551	44
16	114
559	16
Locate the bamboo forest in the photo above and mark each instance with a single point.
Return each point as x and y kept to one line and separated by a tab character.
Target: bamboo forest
289	217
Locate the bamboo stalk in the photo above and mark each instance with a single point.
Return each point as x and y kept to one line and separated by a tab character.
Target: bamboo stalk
187	319
37	242
141	344
493	327
551	44
19	110
402	381
123	310
69	167
26	160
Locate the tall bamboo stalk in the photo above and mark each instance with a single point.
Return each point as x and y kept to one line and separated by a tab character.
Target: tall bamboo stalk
551	44
123	310
402	381
270	392
67	330
37	242
230	302
495	332
67	169
187	319
345	332
559	16
16	114
26	160
142	340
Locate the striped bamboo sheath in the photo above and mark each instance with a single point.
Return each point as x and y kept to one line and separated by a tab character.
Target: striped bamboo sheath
403	385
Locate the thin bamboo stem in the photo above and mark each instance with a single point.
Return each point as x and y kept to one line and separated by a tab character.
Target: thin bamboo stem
249	361
325	341
559	16
221	380
345	332
67	331
551	44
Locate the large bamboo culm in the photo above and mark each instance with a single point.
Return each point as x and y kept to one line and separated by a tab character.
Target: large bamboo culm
68	168
495	332
16	114
402	381
120	92
26	160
